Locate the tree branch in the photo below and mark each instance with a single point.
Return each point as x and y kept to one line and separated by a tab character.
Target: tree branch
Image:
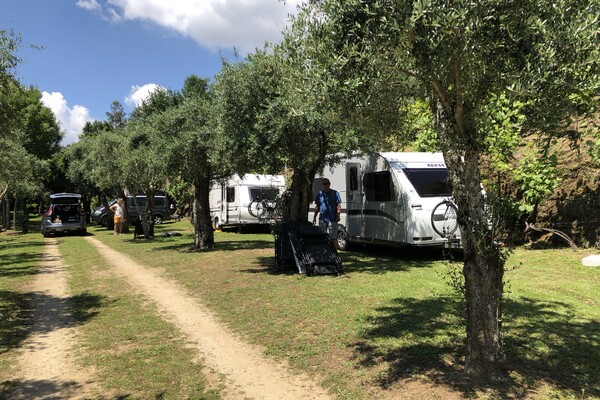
459	108
4	191
563	235
441	93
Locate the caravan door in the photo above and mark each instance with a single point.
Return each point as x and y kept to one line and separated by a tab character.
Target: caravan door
355	225
232	210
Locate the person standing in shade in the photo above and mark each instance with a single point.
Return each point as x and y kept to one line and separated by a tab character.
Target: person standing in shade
119	209
328	205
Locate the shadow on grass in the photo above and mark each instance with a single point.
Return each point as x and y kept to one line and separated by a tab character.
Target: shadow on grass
20	318
11	264
16	314
185	244
543	343
372	260
9	242
40	389
546	341
379	260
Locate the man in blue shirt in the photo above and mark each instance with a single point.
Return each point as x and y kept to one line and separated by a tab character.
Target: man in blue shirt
328	206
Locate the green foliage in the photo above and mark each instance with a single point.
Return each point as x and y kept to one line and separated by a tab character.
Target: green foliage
181	194
419	119
501	125
116	117
160	100
42	134
29	132
595	149
246	96
537	177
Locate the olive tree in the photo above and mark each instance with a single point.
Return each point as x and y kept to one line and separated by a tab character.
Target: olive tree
197	154
279	108
462	53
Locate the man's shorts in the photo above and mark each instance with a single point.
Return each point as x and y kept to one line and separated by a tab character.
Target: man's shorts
329	228
119	220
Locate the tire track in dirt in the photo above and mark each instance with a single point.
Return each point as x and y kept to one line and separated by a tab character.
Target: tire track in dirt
47	369
244	364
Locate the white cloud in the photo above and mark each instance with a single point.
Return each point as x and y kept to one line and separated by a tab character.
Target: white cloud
244	24
71	120
89	4
140	93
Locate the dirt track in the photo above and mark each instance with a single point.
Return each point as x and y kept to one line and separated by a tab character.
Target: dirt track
47	368
48	371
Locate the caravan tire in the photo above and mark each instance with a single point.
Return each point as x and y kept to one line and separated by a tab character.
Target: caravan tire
342	243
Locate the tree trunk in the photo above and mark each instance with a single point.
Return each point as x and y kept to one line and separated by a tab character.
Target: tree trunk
148	219
301	191
87	207
15	209
3	213
483	267
25	218
204	237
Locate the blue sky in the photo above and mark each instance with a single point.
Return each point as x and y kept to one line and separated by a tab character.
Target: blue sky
84	54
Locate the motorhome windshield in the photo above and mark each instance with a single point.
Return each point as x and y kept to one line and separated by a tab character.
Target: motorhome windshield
263	193
429	182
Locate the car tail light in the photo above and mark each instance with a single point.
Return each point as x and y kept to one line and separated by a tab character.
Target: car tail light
48	213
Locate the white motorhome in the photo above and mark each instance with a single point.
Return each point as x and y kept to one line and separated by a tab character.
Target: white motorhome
240	200
389	199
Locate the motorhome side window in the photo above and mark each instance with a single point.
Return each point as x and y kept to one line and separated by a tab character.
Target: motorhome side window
378	186
429	182
230	194
353	178
159	201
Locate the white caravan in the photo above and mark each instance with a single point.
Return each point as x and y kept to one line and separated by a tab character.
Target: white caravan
389	199
243	201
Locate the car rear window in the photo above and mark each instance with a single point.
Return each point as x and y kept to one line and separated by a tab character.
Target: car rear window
65	200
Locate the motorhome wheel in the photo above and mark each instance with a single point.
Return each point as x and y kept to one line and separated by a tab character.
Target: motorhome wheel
342	242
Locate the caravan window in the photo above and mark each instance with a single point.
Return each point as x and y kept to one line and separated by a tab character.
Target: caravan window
378	186
429	182
353	178
231	194
263	193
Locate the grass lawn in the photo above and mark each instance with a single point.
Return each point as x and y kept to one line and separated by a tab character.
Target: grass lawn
391	320
391	327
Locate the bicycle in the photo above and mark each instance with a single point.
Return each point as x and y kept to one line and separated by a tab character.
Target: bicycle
444	218
262	209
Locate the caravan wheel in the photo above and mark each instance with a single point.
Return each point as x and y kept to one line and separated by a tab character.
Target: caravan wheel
342	242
